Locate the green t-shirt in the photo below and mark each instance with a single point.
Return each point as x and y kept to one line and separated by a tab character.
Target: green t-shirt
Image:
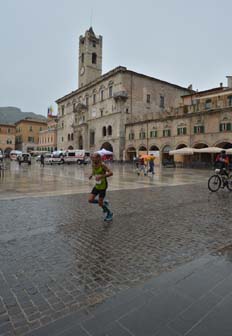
102	184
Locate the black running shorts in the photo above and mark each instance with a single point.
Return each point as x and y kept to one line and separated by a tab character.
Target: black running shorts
100	192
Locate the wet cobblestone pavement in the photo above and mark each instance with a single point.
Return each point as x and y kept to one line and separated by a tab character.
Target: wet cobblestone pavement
57	256
20	181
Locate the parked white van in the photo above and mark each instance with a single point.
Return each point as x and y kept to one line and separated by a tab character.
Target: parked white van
79	156
14	154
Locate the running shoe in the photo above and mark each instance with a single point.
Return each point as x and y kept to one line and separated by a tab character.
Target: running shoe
109	217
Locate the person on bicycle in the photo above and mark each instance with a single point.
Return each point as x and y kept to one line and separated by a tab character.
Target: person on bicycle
222	162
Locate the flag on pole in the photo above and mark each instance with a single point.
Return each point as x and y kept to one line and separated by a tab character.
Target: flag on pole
50	110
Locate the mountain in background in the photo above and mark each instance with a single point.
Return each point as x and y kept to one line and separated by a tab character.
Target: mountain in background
10	115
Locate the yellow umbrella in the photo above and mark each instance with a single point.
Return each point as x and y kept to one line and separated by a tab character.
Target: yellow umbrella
147	157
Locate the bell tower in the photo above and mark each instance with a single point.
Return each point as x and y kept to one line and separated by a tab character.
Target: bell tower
90	57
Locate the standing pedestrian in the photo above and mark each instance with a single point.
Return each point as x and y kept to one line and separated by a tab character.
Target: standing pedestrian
142	167
101	172
42	160
151	164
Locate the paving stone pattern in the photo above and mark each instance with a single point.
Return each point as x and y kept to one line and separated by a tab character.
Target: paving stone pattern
162	306
58	257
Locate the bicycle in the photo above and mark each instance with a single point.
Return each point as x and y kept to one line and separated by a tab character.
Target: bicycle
220	180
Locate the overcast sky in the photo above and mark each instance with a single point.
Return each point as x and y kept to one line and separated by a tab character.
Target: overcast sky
179	41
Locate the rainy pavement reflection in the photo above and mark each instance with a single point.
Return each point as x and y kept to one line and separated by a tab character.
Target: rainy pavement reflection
20	181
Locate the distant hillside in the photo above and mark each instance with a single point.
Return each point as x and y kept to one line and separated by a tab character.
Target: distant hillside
10	115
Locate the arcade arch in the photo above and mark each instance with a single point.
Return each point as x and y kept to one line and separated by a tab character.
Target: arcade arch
224	145
107	146
130	153
154	148
181	146
142	150
165	154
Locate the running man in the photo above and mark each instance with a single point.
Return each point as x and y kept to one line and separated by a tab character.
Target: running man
101	173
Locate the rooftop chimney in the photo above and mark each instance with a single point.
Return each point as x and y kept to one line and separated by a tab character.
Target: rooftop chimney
221	85
229	81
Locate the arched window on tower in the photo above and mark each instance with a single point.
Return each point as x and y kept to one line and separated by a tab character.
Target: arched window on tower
68	137
104	131
72	137
109	130
94	58
82	58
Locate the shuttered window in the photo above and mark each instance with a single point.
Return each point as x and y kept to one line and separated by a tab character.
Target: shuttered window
142	135
181	130
153	134
225	127
167	133
199	129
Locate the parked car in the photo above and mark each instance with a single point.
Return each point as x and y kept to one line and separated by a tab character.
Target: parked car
1	156
48	158
54	158
58	157
24	158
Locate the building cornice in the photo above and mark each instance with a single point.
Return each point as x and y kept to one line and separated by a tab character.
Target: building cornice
7	125
31	121
113	72
210	92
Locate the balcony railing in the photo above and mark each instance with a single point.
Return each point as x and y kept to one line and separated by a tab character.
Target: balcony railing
123	95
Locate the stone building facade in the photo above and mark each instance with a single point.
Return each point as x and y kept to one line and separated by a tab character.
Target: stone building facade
27	134
95	115
48	137
7	138
203	119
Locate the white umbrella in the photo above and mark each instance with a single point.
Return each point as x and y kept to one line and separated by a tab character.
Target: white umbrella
229	151
183	151
209	150
103	151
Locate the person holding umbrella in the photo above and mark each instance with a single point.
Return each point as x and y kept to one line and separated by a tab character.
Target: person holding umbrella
151	160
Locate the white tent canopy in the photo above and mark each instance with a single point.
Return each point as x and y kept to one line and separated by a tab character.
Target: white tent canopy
183	151
209	150
191	151
103	151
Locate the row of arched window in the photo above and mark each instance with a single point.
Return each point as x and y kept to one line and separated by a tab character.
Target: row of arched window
70	137
101	95
106	130
97	95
